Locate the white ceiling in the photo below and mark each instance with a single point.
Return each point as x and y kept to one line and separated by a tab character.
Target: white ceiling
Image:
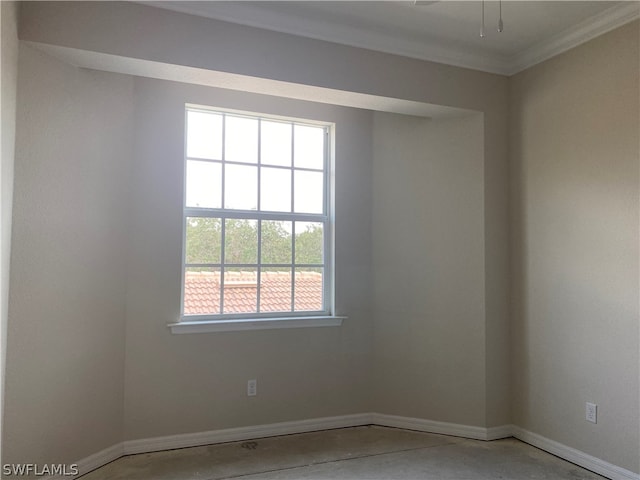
445	31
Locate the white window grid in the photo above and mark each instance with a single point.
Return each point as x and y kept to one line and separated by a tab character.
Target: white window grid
325	218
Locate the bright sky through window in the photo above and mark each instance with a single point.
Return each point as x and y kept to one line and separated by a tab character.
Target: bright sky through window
204	179
256	216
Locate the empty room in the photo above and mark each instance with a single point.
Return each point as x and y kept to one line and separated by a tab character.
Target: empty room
324	240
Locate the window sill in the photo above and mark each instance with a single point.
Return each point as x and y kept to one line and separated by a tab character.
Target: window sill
207	326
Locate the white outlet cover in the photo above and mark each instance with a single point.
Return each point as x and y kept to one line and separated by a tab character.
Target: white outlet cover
252	388
591	411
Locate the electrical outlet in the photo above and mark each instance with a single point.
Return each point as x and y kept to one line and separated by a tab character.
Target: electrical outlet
252	388
592	412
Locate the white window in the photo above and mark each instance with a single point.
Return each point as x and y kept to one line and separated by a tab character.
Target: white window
257	224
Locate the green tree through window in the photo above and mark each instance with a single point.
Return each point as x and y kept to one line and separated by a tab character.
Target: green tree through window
256	216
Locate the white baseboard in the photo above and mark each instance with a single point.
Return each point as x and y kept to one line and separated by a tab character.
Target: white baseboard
243	433
101	458
496	433
93	461
169	442
432	426
572	455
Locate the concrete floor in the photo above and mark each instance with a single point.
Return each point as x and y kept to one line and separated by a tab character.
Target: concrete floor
349	453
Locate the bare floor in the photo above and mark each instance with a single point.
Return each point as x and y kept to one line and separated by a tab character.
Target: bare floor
349	453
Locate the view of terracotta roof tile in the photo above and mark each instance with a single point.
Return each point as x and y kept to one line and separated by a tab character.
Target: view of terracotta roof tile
202	292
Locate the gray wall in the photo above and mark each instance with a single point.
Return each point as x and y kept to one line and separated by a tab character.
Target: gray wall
9	72
96	205
574	151
190	383
178	39
65	357
178	384
97	235
428	263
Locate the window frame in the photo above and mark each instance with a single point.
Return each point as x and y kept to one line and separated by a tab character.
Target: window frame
259	320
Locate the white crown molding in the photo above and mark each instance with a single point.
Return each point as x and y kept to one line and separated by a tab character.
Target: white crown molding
248	15
589	29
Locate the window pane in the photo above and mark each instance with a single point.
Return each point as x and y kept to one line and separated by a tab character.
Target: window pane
276	242
308	289
275	189
240	290
241	241
203	240
275	290
275	143
272	174
201	291
308	192
309	242
308	150
204	135
241	139
204	184
241	187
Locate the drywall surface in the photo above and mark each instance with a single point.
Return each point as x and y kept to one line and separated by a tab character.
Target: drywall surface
197	382
8	93
65	357
180	384
173	38
428	258
574	147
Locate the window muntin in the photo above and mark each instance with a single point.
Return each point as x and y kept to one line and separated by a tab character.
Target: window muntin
256	217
